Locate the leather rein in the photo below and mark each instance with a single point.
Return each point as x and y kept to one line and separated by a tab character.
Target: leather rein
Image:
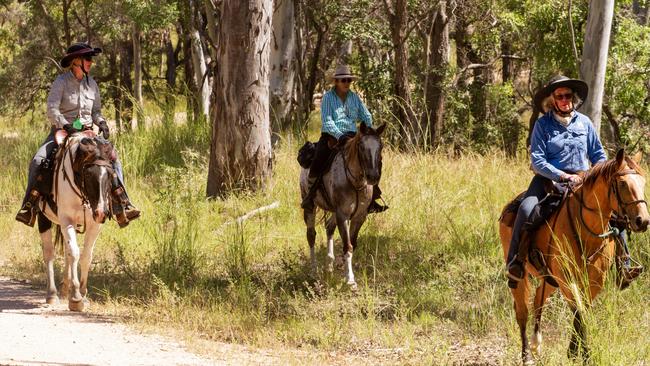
78	182
613	187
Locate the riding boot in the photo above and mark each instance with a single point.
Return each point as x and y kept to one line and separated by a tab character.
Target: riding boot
123	210
27	213
308	202
376	207
516	257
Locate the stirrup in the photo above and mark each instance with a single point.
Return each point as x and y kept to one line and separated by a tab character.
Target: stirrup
515	271
27	215
375	207
627	274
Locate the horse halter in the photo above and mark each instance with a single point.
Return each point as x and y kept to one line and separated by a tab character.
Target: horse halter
619	200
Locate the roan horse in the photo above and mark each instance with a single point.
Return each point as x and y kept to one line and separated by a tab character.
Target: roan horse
347	194
577	246
81	194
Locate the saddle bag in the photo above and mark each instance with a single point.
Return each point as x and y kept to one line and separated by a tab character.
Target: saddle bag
306	154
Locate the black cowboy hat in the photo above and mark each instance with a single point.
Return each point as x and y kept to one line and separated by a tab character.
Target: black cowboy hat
560	81
78	50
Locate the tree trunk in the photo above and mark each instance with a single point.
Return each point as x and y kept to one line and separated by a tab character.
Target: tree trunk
594	57
438	62
402	104
126	85
200	74
170	78
240	152
115	90
137	74
199	64
283	50
66	22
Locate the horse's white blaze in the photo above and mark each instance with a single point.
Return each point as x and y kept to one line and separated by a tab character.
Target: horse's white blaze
373	146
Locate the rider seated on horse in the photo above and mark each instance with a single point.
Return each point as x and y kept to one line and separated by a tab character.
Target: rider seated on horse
340	109
563	143
73	104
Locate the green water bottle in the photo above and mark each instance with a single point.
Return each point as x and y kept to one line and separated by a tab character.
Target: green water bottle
77	124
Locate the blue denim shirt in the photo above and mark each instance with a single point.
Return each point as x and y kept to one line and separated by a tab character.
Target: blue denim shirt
338	117
556	149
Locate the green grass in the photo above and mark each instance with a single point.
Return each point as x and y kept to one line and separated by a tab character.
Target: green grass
431	288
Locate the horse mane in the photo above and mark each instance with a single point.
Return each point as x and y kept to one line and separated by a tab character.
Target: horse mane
351	149
607	169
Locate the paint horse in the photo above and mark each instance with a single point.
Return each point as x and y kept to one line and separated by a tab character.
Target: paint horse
346	192
577	246
80	203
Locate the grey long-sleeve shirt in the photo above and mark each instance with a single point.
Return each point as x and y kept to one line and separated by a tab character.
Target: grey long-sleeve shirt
70	98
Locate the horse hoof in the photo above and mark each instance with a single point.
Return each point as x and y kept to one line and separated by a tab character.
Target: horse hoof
76	305
52	300
353	285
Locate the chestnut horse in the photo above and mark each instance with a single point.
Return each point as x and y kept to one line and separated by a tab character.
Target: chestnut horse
577	247
81	192
348	192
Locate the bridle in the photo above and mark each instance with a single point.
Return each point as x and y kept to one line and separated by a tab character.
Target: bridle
78	182
361	178
613	187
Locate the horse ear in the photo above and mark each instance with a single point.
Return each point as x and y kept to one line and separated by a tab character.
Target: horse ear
380	129
637	157
363	128
620	157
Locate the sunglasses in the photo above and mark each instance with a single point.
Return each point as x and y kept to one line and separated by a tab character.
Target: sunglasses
567	96
346	80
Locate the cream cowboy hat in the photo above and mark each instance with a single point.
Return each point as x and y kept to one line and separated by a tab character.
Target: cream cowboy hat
343	72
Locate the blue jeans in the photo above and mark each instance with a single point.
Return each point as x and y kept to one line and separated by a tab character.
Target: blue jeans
536	192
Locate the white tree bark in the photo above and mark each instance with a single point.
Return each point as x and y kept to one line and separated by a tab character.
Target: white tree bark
200	78
240	152
137	73
594	57
283	50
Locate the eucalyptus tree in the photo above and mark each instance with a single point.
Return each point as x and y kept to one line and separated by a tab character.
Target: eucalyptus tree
240	151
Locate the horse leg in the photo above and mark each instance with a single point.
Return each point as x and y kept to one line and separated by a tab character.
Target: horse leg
543	292
578	342
330	228
344	231
310	220
90	237
48	258
520	295
75	302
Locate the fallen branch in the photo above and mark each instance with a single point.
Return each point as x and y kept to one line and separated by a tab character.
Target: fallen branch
250	214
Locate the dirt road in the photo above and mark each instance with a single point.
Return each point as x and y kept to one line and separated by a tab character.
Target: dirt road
34	334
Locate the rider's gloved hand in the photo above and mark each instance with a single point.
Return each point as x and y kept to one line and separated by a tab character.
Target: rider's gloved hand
69	129
344	138
103	127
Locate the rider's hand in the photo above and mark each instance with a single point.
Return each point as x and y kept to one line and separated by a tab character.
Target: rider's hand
103	127
69	129
572	178
343	139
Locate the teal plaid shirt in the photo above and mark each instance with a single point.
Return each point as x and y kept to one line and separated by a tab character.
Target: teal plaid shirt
338	117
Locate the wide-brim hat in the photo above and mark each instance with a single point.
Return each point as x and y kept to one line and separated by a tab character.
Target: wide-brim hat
578	86
343	72
78	50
